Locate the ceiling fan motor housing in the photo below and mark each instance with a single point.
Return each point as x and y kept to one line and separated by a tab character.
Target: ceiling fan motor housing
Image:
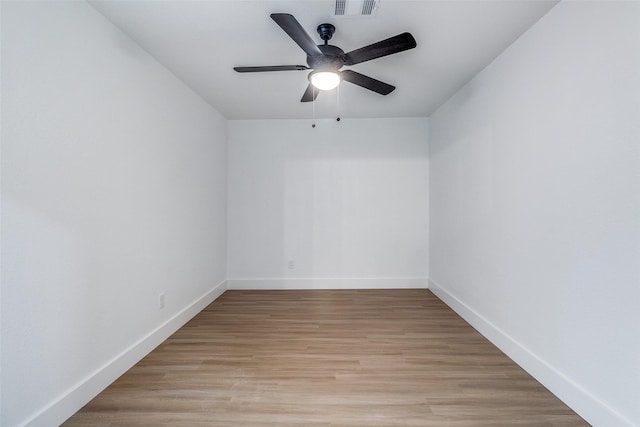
332	58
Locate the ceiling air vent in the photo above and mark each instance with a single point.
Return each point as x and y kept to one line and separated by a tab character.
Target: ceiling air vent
355	7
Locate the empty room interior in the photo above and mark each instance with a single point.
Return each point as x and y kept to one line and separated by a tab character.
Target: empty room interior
320	213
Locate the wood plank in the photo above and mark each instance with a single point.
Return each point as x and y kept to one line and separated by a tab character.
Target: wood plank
326	358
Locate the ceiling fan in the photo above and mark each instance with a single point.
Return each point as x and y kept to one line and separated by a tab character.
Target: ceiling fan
326	60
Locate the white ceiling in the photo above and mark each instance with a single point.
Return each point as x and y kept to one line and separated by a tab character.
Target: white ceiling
200	41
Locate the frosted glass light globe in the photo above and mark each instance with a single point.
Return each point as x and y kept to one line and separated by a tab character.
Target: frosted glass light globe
325	80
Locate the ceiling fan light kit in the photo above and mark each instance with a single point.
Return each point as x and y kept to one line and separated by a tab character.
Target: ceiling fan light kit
324	80
326	60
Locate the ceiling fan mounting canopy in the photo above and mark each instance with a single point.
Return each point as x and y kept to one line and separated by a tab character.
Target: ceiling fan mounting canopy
326	32
329	58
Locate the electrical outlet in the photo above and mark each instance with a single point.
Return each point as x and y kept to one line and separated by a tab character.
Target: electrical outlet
162	300
291	264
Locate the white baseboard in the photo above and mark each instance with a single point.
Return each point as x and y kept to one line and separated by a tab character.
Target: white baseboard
585	404
329	283
75	398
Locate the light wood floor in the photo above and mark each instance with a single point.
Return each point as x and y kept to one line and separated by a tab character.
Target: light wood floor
326	358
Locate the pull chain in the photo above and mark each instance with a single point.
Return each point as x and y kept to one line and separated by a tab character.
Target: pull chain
338	103
313	105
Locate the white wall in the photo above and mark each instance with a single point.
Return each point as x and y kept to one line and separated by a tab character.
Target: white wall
535	205
345	201
113	191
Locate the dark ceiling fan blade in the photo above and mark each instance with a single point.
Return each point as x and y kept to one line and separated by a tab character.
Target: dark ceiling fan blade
292	27
310	94
367	82
395	44
271	68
